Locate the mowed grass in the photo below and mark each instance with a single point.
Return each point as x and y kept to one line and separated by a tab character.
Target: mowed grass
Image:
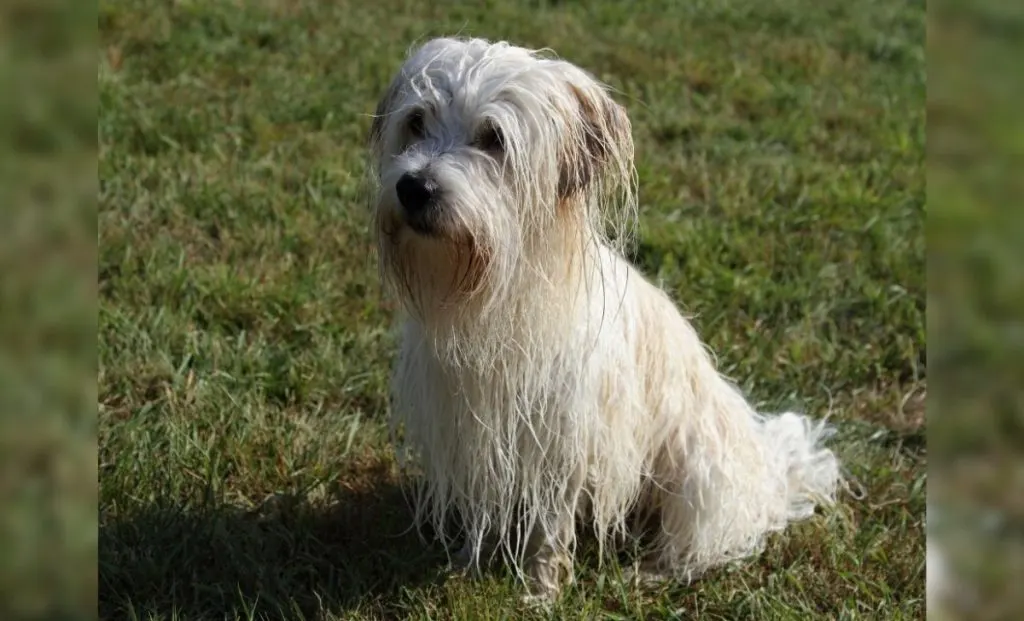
245	345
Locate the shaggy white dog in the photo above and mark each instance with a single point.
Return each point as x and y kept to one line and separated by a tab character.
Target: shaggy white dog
543	381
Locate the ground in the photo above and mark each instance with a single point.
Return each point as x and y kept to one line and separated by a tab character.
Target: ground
245	345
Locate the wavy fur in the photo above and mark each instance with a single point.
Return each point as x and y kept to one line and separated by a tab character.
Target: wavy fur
541	379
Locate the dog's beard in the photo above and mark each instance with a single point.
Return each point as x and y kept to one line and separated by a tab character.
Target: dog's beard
435	277
495	239
458	265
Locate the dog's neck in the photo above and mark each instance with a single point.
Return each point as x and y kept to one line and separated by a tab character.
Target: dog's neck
548	291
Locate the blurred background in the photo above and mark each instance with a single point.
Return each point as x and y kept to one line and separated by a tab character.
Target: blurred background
48	190
975	302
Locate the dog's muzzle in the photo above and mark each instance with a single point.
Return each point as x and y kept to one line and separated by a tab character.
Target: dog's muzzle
420	199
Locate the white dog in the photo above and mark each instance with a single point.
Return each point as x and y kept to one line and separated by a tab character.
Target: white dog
542	380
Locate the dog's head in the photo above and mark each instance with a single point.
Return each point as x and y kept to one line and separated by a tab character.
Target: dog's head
490	159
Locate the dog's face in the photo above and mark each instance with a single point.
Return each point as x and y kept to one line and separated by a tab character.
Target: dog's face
486	154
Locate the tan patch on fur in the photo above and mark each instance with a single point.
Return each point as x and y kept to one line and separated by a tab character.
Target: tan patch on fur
604	124
568	205
476	259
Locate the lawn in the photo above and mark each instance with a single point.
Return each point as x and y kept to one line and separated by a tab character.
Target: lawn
244	343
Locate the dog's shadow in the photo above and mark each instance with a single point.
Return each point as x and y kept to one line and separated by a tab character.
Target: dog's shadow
291	560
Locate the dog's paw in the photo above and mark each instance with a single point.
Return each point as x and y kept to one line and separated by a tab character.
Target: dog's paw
465	562
539	600
546	575
455	569
645	576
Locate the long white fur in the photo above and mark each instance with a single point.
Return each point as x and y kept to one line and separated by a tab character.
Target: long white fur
542	379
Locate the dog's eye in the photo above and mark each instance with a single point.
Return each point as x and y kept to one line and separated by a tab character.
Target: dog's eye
491	139
415	124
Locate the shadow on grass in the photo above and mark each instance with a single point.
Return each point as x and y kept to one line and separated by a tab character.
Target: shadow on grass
292	561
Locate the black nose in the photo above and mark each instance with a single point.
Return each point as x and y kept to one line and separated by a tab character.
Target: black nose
415	192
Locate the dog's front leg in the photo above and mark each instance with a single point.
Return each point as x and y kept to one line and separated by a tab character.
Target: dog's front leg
474	551
549	561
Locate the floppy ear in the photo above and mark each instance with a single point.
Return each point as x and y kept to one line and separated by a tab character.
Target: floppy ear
601	142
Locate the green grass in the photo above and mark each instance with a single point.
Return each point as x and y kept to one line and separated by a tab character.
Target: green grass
245	346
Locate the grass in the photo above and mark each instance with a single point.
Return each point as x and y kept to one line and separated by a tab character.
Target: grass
244	344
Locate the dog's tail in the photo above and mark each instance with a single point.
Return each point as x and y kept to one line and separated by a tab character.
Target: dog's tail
796	445
746	475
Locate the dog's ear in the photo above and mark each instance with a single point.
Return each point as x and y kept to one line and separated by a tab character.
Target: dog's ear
601	139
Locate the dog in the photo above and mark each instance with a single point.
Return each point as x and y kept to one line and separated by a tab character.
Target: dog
542	381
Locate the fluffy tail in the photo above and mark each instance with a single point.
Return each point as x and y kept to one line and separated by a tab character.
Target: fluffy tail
743	478
795	444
